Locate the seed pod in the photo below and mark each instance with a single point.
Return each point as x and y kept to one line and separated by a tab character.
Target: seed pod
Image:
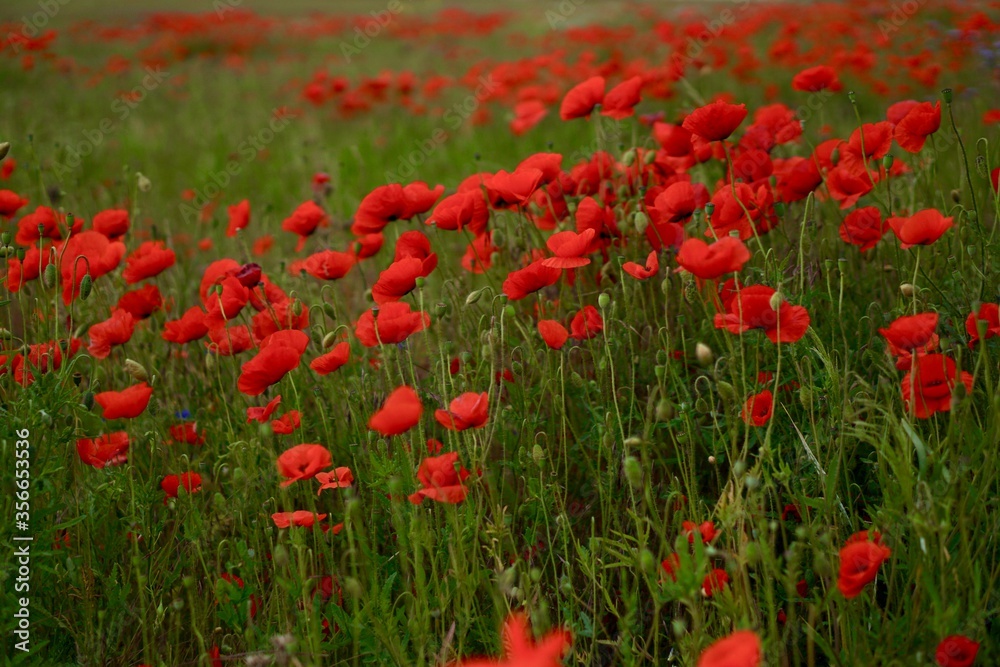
6	238
946	94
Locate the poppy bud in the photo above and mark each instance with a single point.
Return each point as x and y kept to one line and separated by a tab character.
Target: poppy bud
328	339
576	380
946	94
239	477
805	397
419	282
641	222
88	400
5	251
701	405
629	158
907	289
474	296
665	287
603	300
136	370
85	286
49	276
280	556
508	310
210	361
665	410
538	455
703	353
660	372
779	210
5	334
219	502
971	215
647	562
776	300
6	238
956	196
726	391
679	628
887	161
711	460
633	472
296	308
145	185
4	149
329	311
498	238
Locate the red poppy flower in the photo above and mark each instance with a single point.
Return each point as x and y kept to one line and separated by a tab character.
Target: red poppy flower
261	415
340	478
989	313
740	649
527	114
587	323
332	360
550	164
921	228
529	280
187	433
864	227
112	223
921	121
398	280
553	333
279	354
116	330
415	244
462	210
860	559
172	484
640	272
521	650
730	212
391	323
712	261
103	256
581	99
759	408
715	121
796	177
388	203
52	226
107	450
299	518
909	332
620	101
400	412
846	186
304	221
815	79
229	341
303	462
714	582
568	247
511	190
877	140
328	264
148	260
225	598
750	308
933	377
126	404
239	217
470	410
706	529
287	424
10	203
440	480
956	651
142	302
671	566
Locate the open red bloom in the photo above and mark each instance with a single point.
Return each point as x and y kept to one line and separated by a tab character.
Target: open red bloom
340	478
922	228
126	404
989	313
388	203
620	101
640	272
759	408
581	99
287	424
921	121
860	559
510	190
239	217
815	79
440	479
102	257
711	261
751	308
911	331
569	248
740	649
932	378
956	651
706	530
715	582
10	203
398	280
864	227
116	330
107	450
172	484
148	260
462	210
731	211
470	410
587	323
299	518
328	264
715	121
261	415
332	360
303	462
187	433
142	302
553	333
400	412
529	280
304	221
279	354
678	202
521	650
393	323
113	223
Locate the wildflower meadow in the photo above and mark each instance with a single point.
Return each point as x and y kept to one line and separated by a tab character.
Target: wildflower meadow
569	332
